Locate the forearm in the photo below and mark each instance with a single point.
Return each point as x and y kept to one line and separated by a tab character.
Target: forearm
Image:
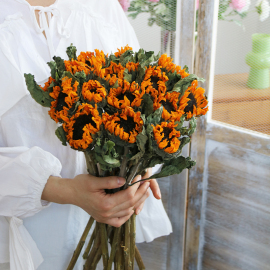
58	190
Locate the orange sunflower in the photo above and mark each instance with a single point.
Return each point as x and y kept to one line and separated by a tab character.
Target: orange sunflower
173	106
47	84
64	98
93	91
81	127
197	104
126	125
127	95
131	66
166	63
122	50
115	69
167	137
74	66
154	82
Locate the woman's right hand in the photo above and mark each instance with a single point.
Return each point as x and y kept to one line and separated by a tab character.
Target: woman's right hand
88	192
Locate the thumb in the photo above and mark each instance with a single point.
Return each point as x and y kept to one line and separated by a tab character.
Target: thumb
109	182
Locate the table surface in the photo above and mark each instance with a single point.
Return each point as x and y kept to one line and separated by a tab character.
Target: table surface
236	104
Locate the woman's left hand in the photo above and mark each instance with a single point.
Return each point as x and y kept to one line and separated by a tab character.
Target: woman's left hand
154	187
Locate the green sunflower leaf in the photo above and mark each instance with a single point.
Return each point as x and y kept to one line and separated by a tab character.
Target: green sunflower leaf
180	123
182	85
140	75
41	97
52	66
150	57
111	160
141	141
71	52
112	58
147	107
60	65
127	76
174	166
80	77
61	135
155	117
192	125
126	57
155	161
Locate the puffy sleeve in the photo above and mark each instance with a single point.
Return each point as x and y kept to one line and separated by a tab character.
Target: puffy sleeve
24	173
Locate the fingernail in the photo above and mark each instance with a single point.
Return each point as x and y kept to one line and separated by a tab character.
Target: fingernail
148	184
159	194
138	211
120	181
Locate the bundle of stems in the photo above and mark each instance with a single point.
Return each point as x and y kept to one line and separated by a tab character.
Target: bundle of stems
123	251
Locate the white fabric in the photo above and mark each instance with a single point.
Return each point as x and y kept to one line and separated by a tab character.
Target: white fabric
29	150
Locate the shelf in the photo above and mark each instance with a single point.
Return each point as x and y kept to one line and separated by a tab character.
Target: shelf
236	104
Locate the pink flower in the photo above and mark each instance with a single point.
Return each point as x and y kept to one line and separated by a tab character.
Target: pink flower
125	4
153	0
240	5
197	4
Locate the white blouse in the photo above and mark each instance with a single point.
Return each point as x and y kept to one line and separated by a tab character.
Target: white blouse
35	234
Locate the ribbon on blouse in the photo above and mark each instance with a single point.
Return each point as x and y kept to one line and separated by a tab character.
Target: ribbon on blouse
45	17
24	254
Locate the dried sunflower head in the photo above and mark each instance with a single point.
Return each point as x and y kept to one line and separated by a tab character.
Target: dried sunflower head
197	103
166	63
82	126
125	125
122	50
173	106
93	92
64	99
125	95
167	138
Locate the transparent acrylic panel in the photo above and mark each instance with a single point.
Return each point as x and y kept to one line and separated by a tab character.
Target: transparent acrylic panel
241	94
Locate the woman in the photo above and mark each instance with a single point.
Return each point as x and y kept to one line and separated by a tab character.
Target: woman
36	171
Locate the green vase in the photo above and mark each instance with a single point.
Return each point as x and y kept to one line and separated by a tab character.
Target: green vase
259	61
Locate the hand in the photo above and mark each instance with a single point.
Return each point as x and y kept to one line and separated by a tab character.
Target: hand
87	192
154	187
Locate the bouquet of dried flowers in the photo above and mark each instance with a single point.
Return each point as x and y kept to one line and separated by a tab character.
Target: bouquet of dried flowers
126	112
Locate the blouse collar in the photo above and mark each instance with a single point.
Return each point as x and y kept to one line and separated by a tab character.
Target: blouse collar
51	11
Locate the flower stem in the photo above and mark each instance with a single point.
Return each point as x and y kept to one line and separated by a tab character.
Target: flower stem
139	260
127	246
124	163
132	174
93	251
80	244
132	239
91	165
96	259
115	247
87	250
104	244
